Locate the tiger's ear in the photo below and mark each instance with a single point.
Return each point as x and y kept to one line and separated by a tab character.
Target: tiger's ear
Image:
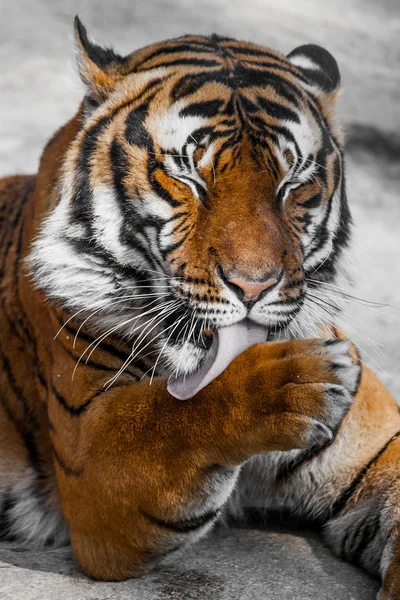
100	68
320	70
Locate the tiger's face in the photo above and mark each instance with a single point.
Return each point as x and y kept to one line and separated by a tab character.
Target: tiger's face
205	187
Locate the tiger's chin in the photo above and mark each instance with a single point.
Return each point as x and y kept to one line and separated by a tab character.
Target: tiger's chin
182	360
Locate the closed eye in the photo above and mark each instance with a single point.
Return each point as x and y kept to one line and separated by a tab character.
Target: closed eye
284	191
196	187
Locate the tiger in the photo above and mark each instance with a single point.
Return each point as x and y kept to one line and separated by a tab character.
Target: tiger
198	192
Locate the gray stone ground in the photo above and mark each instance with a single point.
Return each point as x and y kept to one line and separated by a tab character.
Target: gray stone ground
39	91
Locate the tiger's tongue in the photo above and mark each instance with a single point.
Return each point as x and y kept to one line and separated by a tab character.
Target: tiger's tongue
228	343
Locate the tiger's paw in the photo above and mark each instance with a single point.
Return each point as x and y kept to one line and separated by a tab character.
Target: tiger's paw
345	364
310	385
341	385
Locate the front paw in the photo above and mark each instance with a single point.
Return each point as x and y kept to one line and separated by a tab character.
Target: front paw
345	370
311	384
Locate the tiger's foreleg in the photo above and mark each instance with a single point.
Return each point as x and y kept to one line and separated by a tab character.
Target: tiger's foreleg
365	528
351	487
150	473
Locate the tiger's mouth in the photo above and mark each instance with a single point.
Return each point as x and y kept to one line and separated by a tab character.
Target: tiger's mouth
225	344
199	335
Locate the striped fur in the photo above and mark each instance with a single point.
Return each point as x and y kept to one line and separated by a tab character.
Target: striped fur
190	163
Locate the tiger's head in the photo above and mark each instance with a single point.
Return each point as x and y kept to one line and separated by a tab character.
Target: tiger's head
205	186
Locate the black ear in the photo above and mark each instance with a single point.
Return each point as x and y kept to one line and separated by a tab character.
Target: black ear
100	68
318	67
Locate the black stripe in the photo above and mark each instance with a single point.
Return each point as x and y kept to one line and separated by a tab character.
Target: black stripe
277	111
183	526
172	247
205	109
191	61
135	131
176	48
358	355
189	84
9	232
104	346
29	425
347	493
157	187
291	466
74	411
82	202
23	321
92	363
82	205
362	537
313	202
283	68
256	52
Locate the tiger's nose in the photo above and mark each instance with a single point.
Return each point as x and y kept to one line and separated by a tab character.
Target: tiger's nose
249	291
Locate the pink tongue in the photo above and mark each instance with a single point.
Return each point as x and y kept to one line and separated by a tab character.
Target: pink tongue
228	343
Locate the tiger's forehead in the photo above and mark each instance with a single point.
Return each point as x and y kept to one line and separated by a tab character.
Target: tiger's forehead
197	51
214	121
196	91
172	129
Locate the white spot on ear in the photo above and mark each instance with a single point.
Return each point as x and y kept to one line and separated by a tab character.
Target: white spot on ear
304	62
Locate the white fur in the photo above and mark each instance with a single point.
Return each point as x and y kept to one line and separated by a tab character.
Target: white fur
34	521
172	130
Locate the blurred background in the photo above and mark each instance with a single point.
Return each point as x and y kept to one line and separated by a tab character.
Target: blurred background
40	90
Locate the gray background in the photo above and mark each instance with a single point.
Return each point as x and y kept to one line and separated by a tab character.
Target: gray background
39	90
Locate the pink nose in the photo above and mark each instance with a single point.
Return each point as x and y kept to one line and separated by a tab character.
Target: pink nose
252	290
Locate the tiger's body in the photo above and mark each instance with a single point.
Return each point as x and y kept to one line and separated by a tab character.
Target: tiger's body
194	168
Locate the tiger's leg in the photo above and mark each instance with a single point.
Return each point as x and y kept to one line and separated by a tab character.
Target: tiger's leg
390	567
366	528
351	487
141	473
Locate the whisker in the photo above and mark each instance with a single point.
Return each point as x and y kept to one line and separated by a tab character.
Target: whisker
168	154
366	339
164	346
338	290
346	314
334	324
105	303
112	304
101	338
133	355
169	307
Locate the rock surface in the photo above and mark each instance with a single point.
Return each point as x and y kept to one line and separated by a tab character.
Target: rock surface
256	564
39	91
